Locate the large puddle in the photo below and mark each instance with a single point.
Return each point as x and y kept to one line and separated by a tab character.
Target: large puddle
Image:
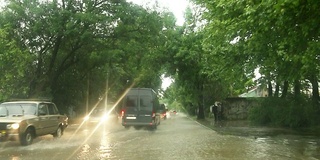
300	142
243	128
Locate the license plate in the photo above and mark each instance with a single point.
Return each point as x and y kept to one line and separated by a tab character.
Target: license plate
131	117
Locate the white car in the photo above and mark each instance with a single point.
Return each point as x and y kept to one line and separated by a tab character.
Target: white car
25	120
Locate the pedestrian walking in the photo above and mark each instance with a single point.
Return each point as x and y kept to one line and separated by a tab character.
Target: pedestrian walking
214	109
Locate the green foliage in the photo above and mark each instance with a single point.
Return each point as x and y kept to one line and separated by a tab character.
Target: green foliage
15	65
110	44
279	38
194	75
291	112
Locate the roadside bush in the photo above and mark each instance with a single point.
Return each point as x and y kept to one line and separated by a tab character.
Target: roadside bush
259	115
292	112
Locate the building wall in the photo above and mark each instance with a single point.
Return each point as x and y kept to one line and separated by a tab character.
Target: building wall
237	108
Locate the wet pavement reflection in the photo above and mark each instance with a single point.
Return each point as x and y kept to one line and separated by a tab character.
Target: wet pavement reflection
177	137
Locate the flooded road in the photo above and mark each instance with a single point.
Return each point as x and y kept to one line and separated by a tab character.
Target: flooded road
176	138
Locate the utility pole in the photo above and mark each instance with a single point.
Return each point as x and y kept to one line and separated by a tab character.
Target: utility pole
87	99
107	90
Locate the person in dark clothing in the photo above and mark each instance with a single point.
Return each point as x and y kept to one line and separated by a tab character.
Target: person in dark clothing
214	109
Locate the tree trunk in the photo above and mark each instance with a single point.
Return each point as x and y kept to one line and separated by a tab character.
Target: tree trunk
285	89
315	91
297	88
201	111
39	89
200	102
269	89
276	92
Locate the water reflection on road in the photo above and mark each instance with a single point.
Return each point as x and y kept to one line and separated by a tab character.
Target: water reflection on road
302	147
176	138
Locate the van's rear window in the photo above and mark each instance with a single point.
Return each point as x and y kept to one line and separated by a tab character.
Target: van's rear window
145	101
132	101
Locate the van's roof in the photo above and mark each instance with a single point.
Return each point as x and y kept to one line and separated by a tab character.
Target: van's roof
141	89
132	90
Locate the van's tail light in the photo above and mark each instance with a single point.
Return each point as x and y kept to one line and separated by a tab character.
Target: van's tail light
122	113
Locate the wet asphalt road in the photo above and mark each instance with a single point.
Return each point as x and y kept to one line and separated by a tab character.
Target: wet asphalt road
177	138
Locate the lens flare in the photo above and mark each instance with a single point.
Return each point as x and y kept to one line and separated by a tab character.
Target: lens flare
98	124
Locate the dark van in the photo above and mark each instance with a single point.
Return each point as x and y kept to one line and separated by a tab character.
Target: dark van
140	107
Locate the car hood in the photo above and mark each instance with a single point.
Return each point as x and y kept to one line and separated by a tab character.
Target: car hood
15	119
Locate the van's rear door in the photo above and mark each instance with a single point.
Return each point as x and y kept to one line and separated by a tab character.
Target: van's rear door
146	108
131	108
138	109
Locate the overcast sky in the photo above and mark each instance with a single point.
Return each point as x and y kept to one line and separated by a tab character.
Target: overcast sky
1	3
177	7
